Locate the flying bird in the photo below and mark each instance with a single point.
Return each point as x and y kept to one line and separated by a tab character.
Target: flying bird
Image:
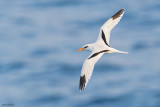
98	48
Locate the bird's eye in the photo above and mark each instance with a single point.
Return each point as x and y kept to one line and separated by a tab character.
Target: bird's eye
85	46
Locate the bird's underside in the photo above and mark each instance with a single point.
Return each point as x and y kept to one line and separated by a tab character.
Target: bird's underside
98	48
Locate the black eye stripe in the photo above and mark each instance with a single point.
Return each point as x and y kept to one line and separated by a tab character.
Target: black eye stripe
85	46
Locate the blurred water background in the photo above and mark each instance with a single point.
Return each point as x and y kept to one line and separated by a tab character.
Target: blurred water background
40	65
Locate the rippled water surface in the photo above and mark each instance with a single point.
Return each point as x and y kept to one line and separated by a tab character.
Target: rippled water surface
40	65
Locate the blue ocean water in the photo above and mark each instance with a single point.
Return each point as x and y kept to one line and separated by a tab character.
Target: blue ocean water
40	65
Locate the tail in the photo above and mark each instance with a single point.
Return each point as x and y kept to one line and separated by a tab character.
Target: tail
117	51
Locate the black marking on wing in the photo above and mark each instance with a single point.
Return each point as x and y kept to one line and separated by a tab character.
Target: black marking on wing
95	54
82	83
104	39
118	14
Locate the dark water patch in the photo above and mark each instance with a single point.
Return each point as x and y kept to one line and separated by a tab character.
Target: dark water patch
116	83
42	52
17	65
100	21
49	99
108	67
22	21
1	67
1	15
101	100
90	23
69	69
36	76
63	67
154	7
50	78
128	21
28	35
149	24
157	98
117	101
128	17
157	43
61	3
156	94
142	45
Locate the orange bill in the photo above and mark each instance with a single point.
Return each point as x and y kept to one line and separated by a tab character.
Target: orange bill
81	49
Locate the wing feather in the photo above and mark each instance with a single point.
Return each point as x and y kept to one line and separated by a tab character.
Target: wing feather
109	25
87	69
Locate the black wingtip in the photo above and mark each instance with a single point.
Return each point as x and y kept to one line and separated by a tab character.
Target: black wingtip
82	83
118	14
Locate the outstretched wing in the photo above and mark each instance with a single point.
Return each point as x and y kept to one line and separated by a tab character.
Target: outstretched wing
88	67
108	26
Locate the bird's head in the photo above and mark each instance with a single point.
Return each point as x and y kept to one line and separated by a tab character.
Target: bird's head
87	47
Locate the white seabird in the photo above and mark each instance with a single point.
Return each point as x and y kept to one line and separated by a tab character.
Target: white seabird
98	48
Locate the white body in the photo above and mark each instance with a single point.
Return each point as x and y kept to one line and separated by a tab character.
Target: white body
98	48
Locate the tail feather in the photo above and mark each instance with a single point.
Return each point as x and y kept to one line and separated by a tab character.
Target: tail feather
122	52
117	51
